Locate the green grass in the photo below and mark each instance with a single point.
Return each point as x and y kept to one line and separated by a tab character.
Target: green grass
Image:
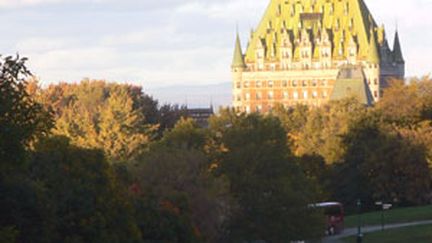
401	215
417	234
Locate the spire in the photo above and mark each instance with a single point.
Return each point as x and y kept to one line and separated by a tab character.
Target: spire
397	50
373	49
238	59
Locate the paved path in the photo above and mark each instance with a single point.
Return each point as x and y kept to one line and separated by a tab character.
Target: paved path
368	229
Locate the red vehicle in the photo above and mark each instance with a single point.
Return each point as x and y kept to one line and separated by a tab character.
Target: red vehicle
334	213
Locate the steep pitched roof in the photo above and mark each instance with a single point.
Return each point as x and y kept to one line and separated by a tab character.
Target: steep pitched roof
335	16
397	50
374	56
238	59
351	82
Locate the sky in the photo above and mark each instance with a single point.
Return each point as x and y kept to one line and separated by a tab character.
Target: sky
159	43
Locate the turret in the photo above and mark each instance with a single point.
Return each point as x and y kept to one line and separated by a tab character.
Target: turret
238	58
398	60
397	50
237	67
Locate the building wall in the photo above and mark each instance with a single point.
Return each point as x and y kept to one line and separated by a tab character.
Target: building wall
260	91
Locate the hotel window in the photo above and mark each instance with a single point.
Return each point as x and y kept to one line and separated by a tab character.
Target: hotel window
258	96
248	109
304	83
295	95
324	94
376	94
286	95
258	84
238	98
315	94
246	84
247	96
258	108
294	83
324	83
376	81
305	94
284	83
270	84
314	83
270	95
238	85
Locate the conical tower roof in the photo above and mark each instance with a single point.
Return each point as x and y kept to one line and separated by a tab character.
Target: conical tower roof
397	50
238	59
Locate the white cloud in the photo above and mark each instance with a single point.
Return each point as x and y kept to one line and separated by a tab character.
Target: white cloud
189	42
20	3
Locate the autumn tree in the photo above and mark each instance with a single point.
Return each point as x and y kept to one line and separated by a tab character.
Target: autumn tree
380	165
175	174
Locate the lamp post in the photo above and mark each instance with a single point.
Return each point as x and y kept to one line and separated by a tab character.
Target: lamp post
359	232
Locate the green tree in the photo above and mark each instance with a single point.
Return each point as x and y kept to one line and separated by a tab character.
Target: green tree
84	202
381	166
270	190
22	120
176	173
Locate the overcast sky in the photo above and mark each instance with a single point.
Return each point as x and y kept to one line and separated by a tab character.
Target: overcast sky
158	43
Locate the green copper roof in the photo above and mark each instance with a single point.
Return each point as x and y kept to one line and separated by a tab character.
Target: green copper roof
397	50
337	17
238	60
351	82
373	49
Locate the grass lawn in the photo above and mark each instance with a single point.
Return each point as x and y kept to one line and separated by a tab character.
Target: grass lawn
401	215
417	234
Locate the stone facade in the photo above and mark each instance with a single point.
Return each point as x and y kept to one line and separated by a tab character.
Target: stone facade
296	53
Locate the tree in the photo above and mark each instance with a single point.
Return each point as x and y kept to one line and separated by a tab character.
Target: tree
186	134
407	105
100	115
84	202
325	127
175	175
381	166
22	120
122	131
270	190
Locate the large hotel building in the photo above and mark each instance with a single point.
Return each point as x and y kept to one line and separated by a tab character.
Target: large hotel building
313	51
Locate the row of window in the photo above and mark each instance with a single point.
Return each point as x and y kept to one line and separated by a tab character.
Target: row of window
284	83
296	95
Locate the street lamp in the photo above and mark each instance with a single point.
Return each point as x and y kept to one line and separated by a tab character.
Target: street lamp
359	232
